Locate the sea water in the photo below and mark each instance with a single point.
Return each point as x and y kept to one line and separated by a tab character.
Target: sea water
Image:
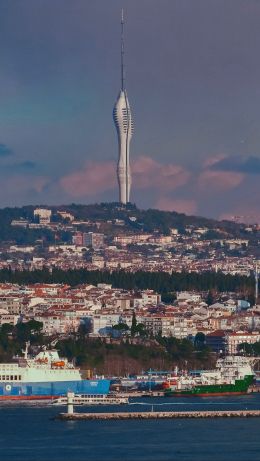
28	432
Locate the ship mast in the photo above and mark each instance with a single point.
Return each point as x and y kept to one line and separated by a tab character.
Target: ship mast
25	351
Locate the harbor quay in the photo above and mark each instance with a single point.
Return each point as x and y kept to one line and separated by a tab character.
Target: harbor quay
158	415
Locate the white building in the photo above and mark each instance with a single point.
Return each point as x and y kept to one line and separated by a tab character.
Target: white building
9	318
43	214
102	323
175	326
58	324
240	337
188	296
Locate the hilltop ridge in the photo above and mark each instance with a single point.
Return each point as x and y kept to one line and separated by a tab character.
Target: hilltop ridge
110	217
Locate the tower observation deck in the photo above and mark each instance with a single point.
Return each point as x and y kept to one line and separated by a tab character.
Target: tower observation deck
124	126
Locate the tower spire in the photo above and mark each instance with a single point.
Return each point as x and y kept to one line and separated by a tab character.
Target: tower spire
122	52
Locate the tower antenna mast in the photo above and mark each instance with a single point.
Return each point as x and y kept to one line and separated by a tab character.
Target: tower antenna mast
122	52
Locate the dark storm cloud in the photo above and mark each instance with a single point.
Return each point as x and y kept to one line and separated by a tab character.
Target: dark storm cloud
5	151
246	165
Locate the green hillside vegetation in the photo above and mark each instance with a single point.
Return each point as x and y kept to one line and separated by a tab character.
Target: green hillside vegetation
13	338
161	282
118	358
145	221
250	349
149	220
124	358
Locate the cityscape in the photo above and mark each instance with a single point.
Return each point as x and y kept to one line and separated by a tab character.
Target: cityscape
129	254
221	302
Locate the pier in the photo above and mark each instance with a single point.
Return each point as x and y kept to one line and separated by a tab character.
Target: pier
158	415
140	415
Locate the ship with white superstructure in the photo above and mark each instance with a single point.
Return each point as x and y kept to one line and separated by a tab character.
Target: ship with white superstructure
233	376
92	399
45	376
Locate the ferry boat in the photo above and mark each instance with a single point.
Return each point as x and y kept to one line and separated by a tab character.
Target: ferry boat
233	376
45	376
92	399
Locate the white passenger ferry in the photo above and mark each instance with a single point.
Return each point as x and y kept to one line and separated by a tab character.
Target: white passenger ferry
92	399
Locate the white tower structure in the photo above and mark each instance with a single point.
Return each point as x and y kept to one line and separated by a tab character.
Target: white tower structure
124	126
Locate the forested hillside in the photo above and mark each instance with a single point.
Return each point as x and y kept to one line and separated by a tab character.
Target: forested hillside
135	220
162	282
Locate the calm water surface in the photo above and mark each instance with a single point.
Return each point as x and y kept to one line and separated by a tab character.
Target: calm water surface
28	433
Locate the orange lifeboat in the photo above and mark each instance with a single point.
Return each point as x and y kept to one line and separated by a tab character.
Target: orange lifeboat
59	364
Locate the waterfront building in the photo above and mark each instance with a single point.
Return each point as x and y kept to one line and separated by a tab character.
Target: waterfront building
234	339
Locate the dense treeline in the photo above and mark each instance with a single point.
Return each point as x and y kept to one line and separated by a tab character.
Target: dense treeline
124	358
250	349
161	282
13	338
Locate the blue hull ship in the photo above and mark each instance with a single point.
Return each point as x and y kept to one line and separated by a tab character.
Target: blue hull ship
44	377
47	390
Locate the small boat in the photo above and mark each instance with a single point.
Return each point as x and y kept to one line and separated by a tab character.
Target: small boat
92	399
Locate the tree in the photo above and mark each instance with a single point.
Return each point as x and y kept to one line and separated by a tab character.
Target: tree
29	331
6	328
84	329
250	349
121	327
199	341
210	298
140	329
134	324
35	327
168	298
246	348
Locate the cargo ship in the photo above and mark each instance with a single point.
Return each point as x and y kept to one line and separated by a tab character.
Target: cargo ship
45	376
233	376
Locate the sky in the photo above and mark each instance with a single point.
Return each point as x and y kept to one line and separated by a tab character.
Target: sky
193	83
